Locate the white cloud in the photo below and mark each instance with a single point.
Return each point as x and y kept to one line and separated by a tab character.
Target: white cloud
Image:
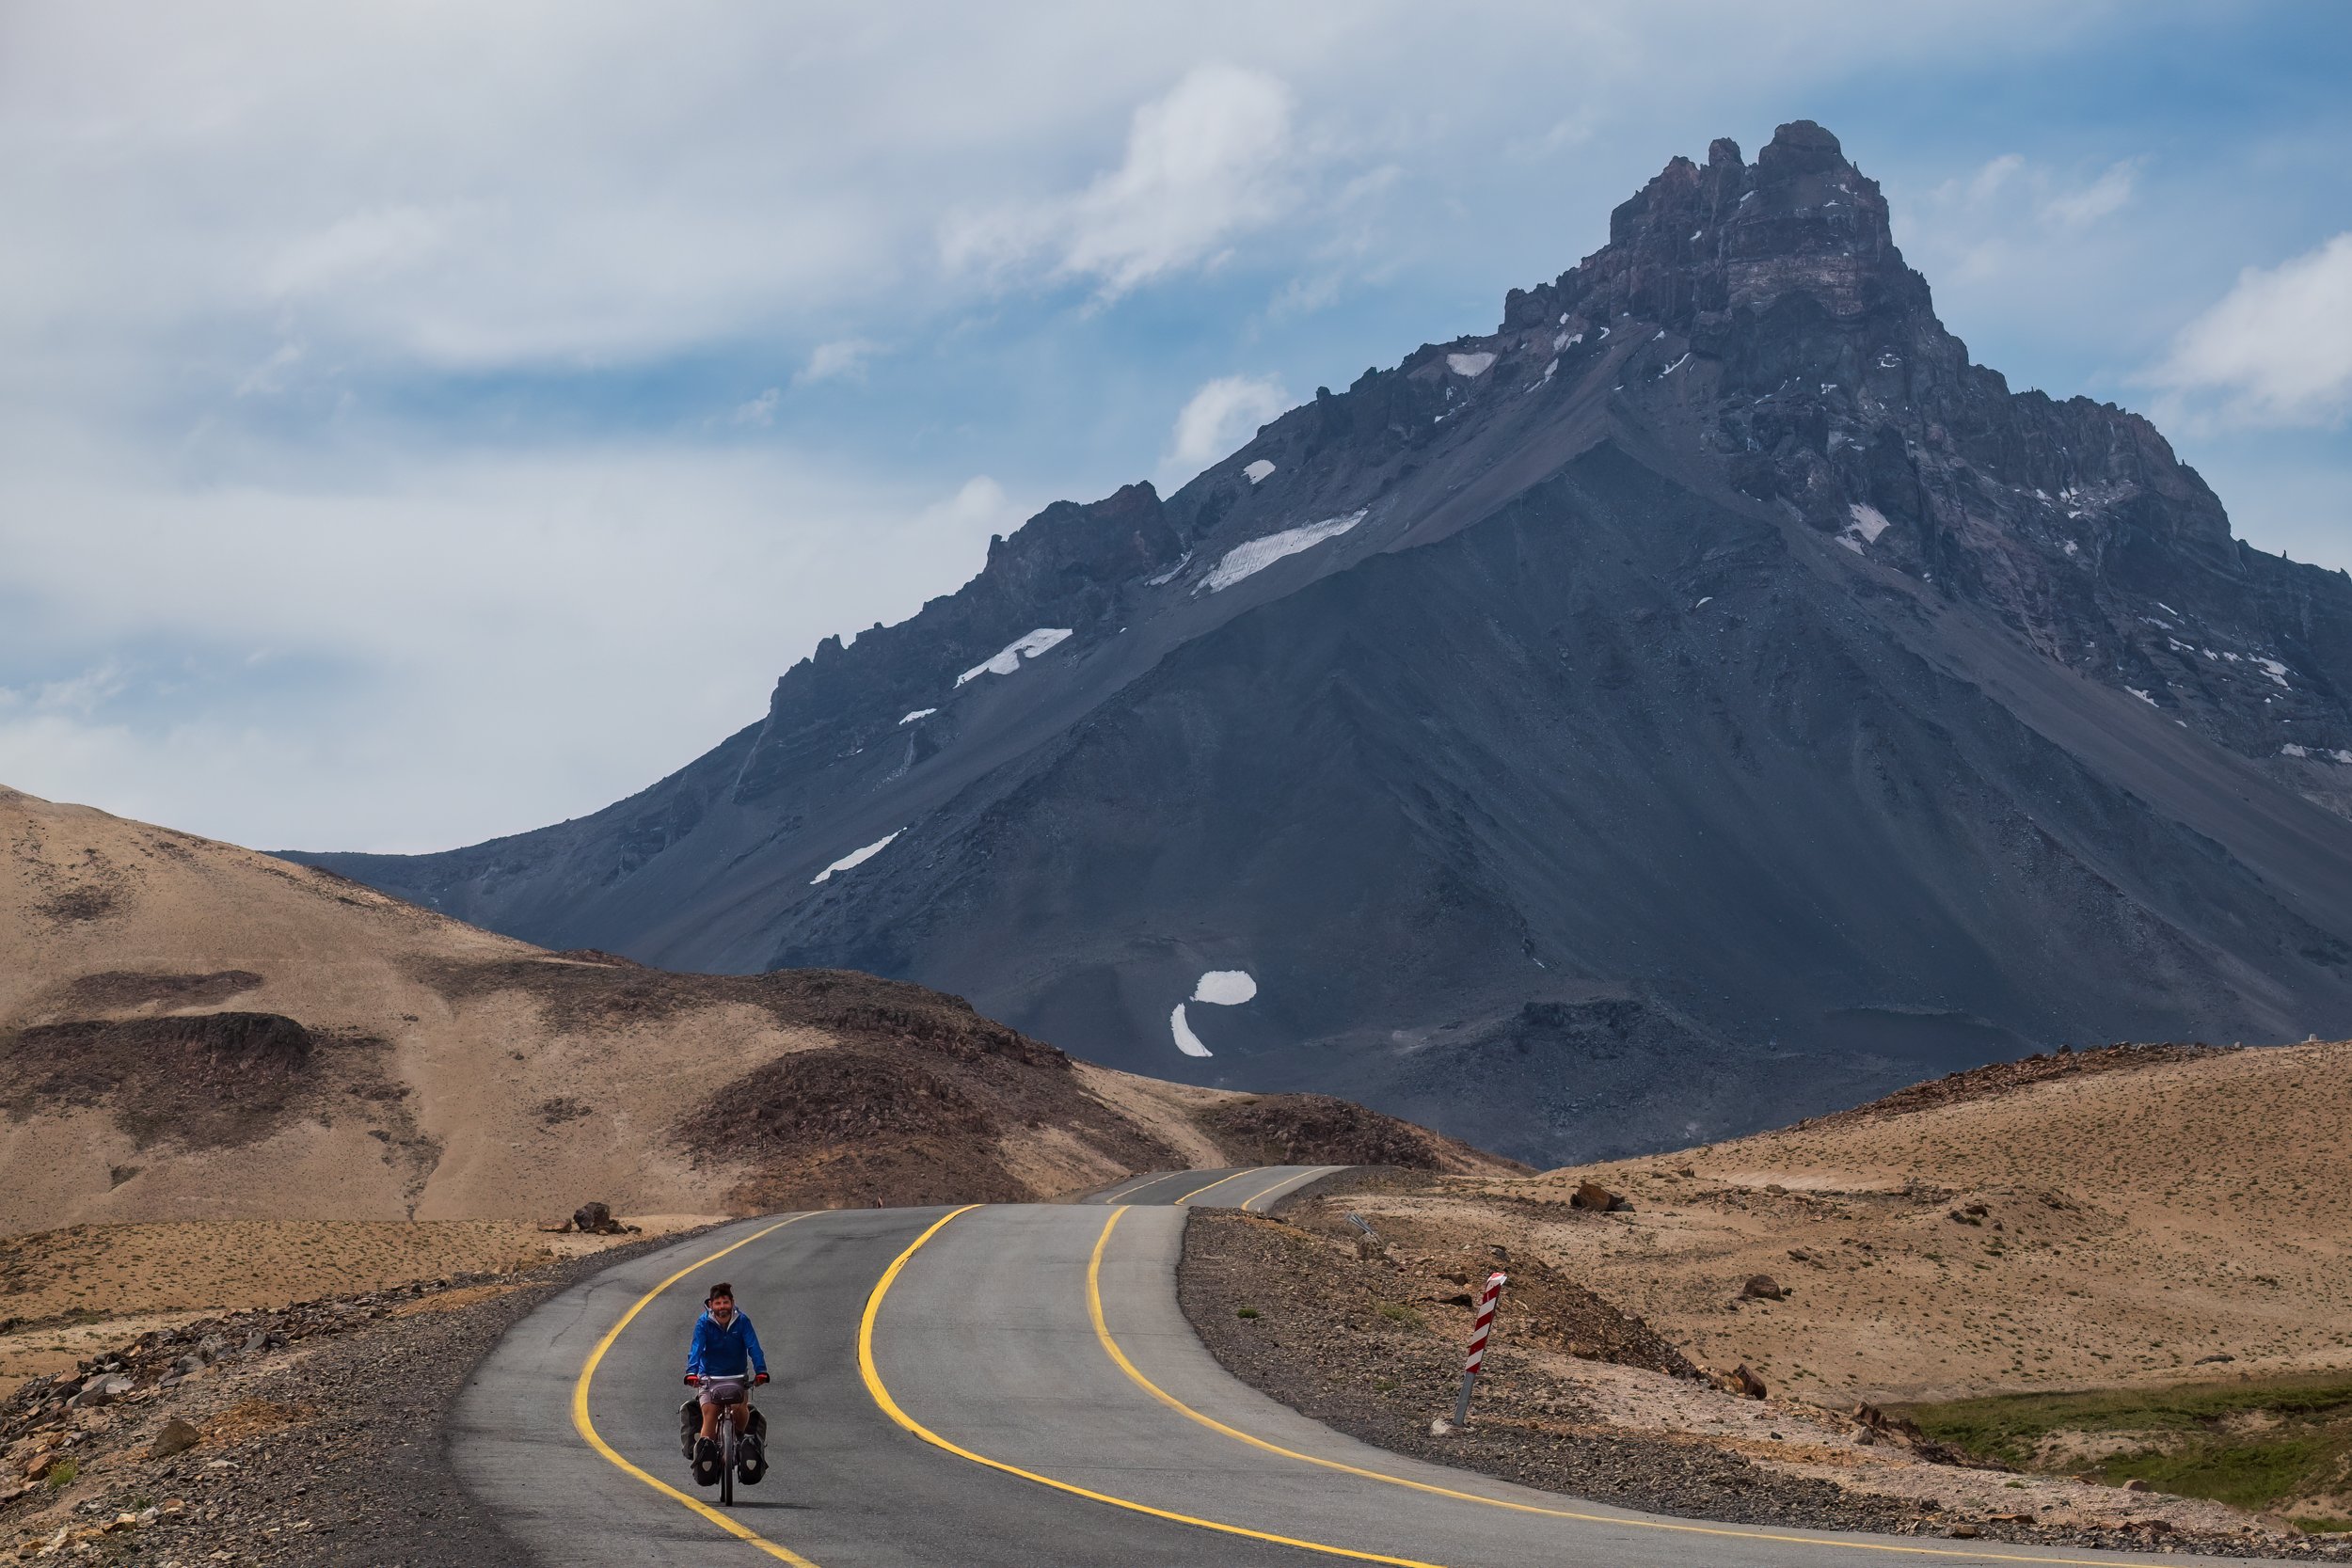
2089	203
846	356
1218	419
377	438
978	509
77	694
2276	350
2012	218
296	662
1208	162
366	246
1987	182
271	374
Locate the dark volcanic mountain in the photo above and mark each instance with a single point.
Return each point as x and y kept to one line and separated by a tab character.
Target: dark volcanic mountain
1706	699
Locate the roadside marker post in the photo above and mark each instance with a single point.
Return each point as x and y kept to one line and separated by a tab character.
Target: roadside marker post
1478	1344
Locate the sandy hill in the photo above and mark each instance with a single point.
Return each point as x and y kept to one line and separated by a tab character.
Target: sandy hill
2109	1217
189	1030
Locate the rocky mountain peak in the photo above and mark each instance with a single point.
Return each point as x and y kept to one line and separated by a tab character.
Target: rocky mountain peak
1801	232
1697	695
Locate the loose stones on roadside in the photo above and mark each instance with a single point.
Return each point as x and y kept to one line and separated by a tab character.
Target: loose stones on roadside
103	1389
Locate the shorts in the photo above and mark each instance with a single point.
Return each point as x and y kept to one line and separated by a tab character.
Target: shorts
734	1391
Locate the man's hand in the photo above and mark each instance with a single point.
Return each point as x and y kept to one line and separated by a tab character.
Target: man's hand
759	1377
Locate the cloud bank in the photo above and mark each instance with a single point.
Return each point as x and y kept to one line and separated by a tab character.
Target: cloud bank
421	422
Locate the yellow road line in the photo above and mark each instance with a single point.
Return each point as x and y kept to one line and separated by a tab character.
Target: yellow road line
1278	1186
587	1428
890	1407
1103	1333
1219	1182
1131	1184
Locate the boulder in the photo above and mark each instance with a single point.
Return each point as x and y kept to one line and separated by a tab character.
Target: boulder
1762	1287
176	1437
1598	1199
596	1219
1739	1380
103	1389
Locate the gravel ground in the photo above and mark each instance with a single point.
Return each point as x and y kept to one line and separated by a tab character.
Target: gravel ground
1370	1347
320	1438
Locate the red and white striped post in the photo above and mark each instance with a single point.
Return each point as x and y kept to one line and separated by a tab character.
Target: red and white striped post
1478	1344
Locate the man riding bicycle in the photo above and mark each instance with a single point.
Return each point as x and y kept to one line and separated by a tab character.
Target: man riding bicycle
725	1357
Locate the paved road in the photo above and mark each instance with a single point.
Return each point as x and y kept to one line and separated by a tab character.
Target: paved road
1257	1188
1008	1385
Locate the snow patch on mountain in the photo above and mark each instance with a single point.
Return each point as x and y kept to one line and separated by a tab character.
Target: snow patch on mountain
854	859
1259	470
1187	1041
1226	987
1868	523
918	713
1258	554
1470	364
1007	661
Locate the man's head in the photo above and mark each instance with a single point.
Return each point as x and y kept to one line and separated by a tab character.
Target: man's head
721	1301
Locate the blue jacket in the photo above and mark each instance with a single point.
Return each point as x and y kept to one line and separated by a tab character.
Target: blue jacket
730	1351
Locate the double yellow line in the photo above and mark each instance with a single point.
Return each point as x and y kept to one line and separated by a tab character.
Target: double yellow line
1236	1176
587	1428
1111	1346
883	1398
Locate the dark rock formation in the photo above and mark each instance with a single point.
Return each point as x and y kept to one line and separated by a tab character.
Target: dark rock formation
1710	699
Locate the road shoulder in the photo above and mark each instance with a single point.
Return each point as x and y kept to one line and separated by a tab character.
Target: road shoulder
1372	1347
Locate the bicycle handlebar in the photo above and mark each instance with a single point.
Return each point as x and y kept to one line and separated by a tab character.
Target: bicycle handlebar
756	1379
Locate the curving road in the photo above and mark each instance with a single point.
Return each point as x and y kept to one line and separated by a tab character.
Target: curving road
1014	1385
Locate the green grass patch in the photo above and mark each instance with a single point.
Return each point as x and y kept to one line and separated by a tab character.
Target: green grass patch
2248	1444
1396	1313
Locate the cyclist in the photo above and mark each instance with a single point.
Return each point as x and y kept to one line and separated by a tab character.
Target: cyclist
726	1350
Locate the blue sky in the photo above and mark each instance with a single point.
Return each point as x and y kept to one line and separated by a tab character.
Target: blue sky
419	423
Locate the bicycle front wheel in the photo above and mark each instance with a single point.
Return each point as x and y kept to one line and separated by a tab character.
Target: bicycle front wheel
726	1461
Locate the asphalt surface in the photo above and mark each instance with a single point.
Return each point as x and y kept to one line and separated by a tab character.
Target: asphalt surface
1256	1188
1038	1448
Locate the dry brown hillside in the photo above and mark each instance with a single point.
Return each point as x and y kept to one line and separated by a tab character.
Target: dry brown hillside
189	1030
2122	1216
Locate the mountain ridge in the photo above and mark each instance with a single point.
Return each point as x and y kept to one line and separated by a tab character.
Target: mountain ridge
1729	468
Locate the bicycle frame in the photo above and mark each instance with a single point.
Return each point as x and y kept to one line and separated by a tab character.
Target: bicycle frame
729	1439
